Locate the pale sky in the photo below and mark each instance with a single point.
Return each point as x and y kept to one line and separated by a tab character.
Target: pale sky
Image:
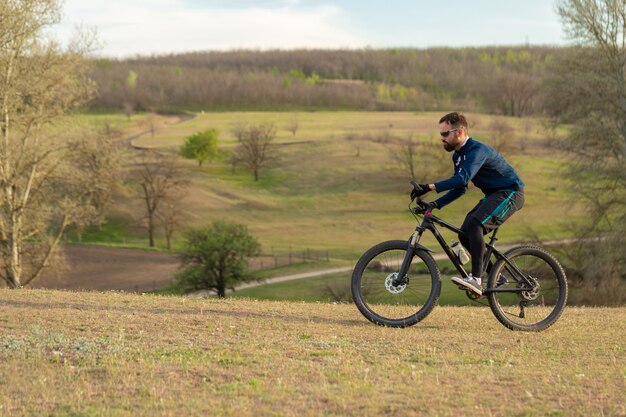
146	27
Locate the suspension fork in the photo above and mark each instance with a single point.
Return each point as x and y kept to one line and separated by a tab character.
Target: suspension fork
408	256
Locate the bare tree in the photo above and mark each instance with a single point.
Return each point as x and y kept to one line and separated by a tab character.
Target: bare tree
151	123
100	162
587	89
294	124
160	179
502	135
254	147
239	129
129	109
516	91
42	188
527	127
421	160
171	214
406	155
355	140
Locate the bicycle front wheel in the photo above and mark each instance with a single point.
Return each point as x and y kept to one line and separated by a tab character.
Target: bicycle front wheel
386	299
520	306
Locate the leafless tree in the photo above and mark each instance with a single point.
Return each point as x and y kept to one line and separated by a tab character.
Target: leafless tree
44	188
254	146
515	92
151	123
423	161
294	124
587	89
356	141
239	129
502	137
101	164
171	214
160	180
406	155
129	109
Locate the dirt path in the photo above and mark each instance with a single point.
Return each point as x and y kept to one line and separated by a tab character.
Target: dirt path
178	118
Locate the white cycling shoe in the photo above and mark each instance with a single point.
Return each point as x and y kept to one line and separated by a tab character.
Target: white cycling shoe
469	283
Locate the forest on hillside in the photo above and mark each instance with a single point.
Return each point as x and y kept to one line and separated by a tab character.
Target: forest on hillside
495	80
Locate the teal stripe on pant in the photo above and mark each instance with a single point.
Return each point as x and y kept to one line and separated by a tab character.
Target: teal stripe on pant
499	208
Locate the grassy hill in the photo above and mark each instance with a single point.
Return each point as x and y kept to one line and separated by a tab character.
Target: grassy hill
115	354
332	188
325	192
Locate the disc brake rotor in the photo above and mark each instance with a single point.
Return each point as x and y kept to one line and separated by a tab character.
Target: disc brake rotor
394	289
533	293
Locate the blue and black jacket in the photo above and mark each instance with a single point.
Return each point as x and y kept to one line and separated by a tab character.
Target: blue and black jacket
482	165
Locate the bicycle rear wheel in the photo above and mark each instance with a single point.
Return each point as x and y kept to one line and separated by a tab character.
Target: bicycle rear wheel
537	307
388	301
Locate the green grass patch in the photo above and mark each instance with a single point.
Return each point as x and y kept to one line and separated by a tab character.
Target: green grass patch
115	230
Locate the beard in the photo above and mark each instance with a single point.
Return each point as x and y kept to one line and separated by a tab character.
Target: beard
448	147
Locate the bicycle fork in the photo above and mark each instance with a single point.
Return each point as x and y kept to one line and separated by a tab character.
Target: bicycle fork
412	245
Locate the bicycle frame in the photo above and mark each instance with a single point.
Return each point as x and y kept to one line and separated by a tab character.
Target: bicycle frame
429	223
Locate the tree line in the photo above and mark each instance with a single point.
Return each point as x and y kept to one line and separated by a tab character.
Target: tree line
496	80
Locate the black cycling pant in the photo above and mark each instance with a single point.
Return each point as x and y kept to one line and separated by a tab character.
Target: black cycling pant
488	214
474	241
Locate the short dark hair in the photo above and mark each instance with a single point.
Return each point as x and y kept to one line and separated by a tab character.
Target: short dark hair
455	119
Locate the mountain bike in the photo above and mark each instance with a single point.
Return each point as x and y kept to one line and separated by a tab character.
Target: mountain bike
397	283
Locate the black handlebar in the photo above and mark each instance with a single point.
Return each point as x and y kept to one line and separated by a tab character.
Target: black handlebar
419	208
419	189
416	186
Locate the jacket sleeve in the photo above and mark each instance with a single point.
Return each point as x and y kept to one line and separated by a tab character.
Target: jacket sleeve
468	167
450	196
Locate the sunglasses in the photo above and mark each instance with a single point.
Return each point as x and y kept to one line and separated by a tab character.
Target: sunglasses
447	132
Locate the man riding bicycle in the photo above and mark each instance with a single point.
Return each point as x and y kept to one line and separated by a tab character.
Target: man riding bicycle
492	174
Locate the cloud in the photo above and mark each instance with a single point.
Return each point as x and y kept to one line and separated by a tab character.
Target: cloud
165	26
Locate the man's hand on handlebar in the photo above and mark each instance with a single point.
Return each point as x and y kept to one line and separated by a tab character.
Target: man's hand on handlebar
429	206
419	190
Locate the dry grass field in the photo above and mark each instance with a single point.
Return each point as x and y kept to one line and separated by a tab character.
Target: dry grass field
116	354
